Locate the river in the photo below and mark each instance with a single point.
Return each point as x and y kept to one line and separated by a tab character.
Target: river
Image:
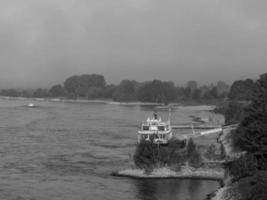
66	151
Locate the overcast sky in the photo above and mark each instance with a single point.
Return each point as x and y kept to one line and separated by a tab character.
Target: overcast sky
42	42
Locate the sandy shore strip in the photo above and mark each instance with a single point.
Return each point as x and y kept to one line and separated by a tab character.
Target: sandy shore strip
165	172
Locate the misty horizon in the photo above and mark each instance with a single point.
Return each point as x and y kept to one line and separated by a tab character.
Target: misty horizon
44	42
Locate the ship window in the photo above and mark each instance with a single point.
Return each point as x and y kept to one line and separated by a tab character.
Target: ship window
145	128
161	128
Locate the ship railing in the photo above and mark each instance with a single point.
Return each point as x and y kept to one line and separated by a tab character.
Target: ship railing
153	132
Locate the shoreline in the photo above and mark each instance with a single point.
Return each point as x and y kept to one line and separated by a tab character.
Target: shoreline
167	173
64	100
178	105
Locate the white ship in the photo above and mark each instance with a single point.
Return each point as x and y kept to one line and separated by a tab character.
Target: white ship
155	130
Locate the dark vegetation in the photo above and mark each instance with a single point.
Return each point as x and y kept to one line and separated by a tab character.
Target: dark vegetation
94	86
250	170
149	155
233	111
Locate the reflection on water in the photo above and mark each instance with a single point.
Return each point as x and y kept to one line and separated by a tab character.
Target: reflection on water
173	189
66	151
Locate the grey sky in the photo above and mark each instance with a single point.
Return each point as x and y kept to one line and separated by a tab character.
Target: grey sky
44	41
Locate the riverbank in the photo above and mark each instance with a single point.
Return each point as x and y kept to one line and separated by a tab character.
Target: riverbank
64	100
165	172
229	190
160	106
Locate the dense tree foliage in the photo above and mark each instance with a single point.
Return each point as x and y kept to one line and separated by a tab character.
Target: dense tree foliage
40	93
108	91
251	137
157	91
149	155
193	155
126	91
10	93
242	90
56	91
86	85
234	112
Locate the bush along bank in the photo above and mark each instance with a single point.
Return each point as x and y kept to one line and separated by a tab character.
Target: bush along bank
178	159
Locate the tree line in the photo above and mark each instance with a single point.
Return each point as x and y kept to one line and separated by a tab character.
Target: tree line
94	86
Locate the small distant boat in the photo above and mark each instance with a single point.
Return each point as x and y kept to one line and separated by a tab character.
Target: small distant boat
31	105
155	130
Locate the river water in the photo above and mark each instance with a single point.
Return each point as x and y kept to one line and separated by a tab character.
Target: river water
66	151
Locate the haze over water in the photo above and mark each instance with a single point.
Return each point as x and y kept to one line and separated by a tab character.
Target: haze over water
67	151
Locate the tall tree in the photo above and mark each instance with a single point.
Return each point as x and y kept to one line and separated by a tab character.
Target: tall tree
242	90
251	135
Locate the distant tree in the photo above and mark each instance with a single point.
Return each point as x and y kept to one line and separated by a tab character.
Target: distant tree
211	93
203	90
157	91
4	92
94	92
26	93
79	86
192	87
11	93
222	89
71	85
40	93
56	91
108	91
180	93
126	91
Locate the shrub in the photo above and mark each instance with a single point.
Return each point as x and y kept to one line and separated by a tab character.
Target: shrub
149	155
244	166
259	191
211	152
193	155
144	157
195	159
